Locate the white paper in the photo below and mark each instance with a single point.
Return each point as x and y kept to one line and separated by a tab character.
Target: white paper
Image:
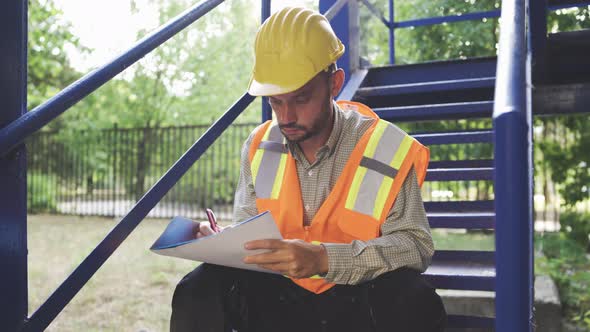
225	248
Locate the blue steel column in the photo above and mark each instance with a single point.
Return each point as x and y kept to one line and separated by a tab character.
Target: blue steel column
340	25
512	176
266	110
13	168
391	32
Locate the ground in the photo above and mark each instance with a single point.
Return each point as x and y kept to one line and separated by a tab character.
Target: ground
133	290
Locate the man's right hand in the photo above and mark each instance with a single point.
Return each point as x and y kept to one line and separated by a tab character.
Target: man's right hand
205	230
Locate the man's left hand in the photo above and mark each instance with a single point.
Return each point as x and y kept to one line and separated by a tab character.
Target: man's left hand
293	258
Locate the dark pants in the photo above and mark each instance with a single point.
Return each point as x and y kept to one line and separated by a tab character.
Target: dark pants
218	299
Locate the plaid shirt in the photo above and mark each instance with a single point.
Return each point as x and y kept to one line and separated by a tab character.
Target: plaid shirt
405	239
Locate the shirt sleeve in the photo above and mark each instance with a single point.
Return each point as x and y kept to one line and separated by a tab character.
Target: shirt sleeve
405	241
245	197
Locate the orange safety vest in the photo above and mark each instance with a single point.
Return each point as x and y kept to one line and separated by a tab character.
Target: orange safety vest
361	198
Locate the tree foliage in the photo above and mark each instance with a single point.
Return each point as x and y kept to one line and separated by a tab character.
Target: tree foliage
565	153
50	37
195	76
434	42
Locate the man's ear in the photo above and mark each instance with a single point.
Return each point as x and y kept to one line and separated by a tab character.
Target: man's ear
337	82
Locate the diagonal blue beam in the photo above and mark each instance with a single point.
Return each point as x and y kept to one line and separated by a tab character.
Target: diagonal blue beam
34	120
70	287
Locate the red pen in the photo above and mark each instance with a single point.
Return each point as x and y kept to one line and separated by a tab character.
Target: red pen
212	220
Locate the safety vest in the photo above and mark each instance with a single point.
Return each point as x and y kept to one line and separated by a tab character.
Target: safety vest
361	198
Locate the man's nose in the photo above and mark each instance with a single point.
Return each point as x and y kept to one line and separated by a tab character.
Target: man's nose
287	114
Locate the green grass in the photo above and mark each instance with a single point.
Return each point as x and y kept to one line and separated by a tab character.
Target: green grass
457	240
133	289
130	292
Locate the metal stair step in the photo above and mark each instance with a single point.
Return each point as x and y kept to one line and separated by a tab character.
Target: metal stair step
430	71
469	163
455	137
459	206
420	87
462	269
462	220
460	174
447	111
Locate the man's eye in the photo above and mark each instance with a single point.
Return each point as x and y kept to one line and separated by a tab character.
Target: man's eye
302	100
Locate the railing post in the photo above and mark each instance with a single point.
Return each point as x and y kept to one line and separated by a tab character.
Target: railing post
13	167
354	44
265	13
391	32
341	28
513	174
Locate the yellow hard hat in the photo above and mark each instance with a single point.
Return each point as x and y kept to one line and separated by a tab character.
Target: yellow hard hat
292	46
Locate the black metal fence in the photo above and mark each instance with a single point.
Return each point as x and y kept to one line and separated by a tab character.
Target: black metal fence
104	172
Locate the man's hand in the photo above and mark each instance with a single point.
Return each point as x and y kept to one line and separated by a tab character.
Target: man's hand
293	258
205	230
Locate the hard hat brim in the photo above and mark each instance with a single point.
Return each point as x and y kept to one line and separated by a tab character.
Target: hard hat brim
268	89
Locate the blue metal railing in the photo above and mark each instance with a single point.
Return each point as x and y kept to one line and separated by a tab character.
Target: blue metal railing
513	174
13	167
391	24
512	120
18	130
15	132
28	123
70	287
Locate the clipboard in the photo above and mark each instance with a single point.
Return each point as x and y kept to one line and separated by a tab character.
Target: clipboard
225	248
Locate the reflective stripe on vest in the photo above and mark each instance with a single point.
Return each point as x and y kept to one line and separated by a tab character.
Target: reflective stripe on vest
270	160
386	150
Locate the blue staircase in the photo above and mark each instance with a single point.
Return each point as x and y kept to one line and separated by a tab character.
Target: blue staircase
445	90
435	91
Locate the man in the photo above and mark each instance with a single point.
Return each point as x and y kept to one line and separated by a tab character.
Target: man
343	187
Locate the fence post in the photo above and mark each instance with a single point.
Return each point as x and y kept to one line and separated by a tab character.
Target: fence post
13	167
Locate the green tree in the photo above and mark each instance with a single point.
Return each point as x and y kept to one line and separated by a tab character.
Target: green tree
427	43
190	79
49	68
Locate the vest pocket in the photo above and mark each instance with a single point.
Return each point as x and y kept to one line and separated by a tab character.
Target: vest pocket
359	226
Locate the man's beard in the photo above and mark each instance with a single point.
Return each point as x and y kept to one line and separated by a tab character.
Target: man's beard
316	127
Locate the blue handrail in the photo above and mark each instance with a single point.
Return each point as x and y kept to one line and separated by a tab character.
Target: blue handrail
469	16
513	174
70	287
335	9
18	130
391	24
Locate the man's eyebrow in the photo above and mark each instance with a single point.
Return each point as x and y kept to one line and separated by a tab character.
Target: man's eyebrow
303	93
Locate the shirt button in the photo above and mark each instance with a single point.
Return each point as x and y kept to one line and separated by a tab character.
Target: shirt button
310	173
307	207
